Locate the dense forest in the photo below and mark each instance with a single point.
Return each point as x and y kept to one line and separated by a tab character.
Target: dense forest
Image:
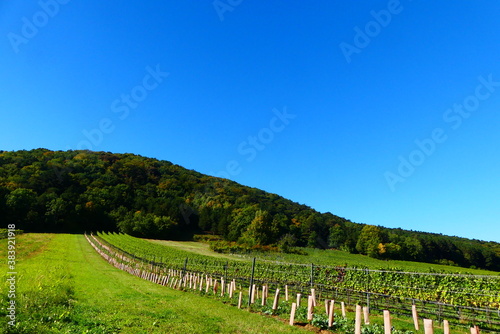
77	191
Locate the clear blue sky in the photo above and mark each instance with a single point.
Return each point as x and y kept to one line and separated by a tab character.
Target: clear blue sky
322	102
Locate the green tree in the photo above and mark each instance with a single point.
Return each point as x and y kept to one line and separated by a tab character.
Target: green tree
257	233
412	248
337	236
369	240
21	203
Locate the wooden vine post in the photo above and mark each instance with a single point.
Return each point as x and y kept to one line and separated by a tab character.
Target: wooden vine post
357	324
366	316
331	313
240	299
387	322
313	295
428	326
415	316
276	299
292	313
310	308
475	330
446	327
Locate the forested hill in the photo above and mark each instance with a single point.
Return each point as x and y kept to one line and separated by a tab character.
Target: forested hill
76	191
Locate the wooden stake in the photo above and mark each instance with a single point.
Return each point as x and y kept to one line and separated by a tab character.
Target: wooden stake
216	286
176	283
298	299
475	330
327	304
428	326
240	299
313	295
252	298
387	322
264	295
276	299
292	313
331	313
286	292
446	327
366	315
357	324
310	306
342	305
415	316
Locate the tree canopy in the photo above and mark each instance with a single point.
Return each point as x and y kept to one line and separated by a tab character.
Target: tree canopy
77	191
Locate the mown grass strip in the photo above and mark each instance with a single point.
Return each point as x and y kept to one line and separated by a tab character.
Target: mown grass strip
69	288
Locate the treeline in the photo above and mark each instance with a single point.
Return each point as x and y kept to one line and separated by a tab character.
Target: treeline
77	191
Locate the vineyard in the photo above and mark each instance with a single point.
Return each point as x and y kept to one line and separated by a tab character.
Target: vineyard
461	299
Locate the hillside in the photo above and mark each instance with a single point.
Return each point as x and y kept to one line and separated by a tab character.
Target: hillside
76	191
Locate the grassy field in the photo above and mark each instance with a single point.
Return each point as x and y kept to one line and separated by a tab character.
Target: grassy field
325	257
64	286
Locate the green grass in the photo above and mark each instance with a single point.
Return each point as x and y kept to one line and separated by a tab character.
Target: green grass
64	286
199	248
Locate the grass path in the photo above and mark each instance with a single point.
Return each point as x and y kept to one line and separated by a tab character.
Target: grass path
199	248
66	287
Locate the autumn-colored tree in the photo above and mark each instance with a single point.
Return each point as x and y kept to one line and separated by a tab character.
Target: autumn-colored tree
369	240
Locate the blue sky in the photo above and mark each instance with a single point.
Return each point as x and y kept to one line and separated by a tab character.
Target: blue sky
383	112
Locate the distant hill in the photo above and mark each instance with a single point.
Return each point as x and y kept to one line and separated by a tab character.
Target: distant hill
76	191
